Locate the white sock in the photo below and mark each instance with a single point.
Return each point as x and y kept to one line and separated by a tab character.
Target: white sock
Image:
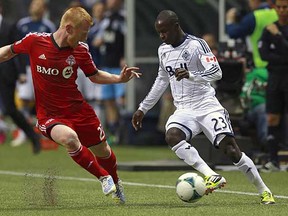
190	156
249	169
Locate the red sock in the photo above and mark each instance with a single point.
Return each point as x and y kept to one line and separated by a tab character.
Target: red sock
110	165
85	158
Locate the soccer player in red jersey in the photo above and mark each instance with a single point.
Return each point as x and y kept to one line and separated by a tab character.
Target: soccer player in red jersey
63	115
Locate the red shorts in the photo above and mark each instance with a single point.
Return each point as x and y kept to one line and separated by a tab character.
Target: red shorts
88	129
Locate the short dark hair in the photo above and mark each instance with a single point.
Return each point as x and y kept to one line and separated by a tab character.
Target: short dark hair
168	15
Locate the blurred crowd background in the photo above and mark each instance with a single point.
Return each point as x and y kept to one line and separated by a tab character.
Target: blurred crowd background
202	18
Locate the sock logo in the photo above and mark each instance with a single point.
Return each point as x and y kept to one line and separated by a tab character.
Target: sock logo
248	170
91	162
188	147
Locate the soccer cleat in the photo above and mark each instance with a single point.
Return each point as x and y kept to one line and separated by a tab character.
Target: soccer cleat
267	198
118	195
214	182
108	185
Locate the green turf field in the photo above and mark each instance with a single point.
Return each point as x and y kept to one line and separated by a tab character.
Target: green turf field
52	184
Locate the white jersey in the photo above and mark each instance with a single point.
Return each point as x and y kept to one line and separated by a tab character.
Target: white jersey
195	93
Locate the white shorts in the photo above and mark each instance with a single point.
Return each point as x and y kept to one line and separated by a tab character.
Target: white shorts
26	90
215	125
90	91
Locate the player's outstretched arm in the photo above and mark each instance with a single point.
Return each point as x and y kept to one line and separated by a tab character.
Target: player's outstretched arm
137	119
127	73
6	53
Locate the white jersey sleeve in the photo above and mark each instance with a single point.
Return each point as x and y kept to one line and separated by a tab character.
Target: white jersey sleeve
211	70
160	84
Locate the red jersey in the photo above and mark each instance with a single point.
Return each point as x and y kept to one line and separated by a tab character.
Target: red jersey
54	72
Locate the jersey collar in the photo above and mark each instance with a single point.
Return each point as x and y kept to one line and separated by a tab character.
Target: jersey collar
56	45
181	41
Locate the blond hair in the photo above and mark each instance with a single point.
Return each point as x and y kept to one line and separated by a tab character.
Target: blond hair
75	16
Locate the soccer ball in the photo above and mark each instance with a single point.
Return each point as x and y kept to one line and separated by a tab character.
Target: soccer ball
190	187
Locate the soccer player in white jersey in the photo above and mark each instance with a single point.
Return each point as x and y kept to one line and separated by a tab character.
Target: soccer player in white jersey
188	65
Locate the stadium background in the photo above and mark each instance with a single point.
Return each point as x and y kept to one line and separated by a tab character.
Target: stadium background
197	17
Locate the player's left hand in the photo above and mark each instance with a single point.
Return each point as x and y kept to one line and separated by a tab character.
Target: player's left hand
181	73
128	73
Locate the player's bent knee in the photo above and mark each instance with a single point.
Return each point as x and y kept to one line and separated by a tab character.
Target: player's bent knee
70	141
230	148
233	152
106	150
174	136
102	150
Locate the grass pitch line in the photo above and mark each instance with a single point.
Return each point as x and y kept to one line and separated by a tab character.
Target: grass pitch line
35	175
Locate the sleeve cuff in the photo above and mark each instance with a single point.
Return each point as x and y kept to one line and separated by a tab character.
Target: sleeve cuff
191	76
143	110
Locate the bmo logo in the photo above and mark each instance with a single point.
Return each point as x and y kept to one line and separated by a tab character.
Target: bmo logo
48	71
66	73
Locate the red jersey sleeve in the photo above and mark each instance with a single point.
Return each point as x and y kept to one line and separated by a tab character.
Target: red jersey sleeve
85	61
24	45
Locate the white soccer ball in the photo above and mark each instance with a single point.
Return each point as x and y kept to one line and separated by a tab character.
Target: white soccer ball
190	187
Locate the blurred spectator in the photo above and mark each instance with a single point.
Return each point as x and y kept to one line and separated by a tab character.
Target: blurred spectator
75	3
8	84
231	57
35	22
88	3
251	26
112	35
253	100
89	90
3	130
212	42
3	125
98	13
273	47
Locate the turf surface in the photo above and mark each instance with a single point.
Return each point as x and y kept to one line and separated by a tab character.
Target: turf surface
52	184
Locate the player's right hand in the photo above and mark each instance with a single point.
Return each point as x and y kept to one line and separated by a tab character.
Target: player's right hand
137	119
181	73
